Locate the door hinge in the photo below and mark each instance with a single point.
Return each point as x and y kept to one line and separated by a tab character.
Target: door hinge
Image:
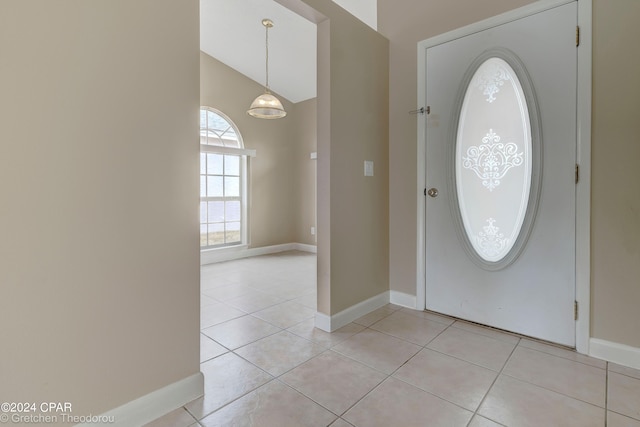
575	310
577	173
577	35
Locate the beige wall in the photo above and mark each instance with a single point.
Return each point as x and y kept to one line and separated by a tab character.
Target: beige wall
615	207
280	174
305	142
615	190
99	260
353	220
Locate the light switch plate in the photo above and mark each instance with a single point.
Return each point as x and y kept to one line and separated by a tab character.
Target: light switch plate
368	168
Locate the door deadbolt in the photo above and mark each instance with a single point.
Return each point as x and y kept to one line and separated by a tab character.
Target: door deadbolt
433	192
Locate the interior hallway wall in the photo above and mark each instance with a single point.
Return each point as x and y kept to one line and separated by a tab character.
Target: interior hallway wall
353	110
305	142
615	233
99	259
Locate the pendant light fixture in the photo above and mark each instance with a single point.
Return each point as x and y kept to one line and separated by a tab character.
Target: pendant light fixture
267	106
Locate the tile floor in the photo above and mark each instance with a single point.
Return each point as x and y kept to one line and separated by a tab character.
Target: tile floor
266	365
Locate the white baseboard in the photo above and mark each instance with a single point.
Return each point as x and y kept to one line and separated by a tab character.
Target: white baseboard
346	316
323	322
402	299
212	256
613	352
153	405
306	248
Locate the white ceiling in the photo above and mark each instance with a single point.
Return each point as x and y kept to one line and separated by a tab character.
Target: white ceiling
231	31
364	10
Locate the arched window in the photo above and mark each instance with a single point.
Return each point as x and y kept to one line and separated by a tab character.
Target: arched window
223	184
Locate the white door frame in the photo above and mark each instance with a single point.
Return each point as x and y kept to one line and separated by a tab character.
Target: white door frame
583	188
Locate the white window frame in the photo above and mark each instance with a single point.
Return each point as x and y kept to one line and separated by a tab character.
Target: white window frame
244	155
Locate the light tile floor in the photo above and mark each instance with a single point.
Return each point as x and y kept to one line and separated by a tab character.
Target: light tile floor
266	365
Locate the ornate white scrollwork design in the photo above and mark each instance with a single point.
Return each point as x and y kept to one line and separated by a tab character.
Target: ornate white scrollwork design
491	242
491	79
491	160
496	159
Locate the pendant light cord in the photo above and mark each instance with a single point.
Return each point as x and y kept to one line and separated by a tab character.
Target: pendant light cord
266	88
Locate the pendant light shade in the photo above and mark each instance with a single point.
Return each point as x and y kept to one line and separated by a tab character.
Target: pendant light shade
267	106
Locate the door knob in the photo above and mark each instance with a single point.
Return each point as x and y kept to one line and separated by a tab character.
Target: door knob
433	192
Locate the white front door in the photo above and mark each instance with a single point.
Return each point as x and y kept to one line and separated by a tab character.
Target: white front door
500	171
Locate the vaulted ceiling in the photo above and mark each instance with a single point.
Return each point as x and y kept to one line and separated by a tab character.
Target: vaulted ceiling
232	32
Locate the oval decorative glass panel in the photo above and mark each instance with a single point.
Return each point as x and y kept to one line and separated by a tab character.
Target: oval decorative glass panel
494	161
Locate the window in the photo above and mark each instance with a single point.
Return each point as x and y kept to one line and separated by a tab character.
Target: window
223	164
496	159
